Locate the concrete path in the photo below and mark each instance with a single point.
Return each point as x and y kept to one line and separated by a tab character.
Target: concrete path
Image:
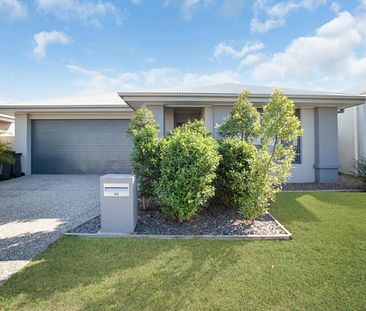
36	210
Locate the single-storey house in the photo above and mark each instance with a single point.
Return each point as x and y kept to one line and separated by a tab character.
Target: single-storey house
88	134
352	132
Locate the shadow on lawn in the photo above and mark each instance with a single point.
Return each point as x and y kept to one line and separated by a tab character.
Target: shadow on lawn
169	269
292	207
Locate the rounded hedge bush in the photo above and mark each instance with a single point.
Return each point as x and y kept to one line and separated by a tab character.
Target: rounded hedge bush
231	182
188	169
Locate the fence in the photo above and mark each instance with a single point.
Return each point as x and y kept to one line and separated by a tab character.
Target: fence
9	140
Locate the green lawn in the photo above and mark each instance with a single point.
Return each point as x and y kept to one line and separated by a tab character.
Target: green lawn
322	268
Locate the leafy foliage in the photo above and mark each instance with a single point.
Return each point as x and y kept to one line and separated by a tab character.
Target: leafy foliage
188	169
270	164
6	155
243	120
145	155
359	168
231	182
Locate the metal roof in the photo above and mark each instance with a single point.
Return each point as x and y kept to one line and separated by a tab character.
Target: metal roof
227	93
232	89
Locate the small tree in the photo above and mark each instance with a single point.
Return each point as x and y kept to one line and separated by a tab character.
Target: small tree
243	120
145	157
188	169
272	161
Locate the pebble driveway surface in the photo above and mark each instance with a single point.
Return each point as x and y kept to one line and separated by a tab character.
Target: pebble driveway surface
36	210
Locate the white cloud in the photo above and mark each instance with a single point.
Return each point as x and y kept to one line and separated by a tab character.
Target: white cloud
190	79
163	75
262	27
86	11
13	9
188	7
223	49
96	81
92	81
334	53
335	7
44	38
252	59
282	9
274	15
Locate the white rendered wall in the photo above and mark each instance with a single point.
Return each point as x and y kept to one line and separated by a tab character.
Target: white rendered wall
169	120
159	115
22	141
304	172
208	117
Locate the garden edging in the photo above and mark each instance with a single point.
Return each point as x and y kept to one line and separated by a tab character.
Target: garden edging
286	236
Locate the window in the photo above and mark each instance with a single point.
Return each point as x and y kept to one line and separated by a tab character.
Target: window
297	142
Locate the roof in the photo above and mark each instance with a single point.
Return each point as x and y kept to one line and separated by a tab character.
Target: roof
232	88
93	102
227	93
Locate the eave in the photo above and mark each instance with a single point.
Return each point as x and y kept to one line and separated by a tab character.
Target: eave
138	99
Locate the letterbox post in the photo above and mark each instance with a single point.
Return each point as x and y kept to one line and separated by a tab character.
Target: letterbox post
118	203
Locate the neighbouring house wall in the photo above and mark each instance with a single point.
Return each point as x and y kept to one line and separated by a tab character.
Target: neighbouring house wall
361	133
347	139
6	126
326	145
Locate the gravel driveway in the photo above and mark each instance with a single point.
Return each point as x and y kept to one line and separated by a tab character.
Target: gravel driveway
36	210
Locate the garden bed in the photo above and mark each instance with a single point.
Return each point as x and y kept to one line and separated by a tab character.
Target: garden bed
345	182
212	222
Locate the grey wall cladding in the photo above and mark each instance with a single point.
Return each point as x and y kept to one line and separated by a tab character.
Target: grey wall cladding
80	147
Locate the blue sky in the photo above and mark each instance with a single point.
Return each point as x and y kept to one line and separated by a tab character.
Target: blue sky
53	48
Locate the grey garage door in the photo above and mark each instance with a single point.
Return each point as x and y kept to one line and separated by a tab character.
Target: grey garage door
80	147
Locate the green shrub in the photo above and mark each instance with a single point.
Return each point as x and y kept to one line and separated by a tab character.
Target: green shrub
272	161
243	121
6	155
359	168
146	152
232	174
188	169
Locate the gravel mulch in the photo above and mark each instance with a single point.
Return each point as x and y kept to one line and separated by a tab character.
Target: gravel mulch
212	221
346	182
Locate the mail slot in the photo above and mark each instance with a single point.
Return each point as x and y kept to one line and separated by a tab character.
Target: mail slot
116	190
118	203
